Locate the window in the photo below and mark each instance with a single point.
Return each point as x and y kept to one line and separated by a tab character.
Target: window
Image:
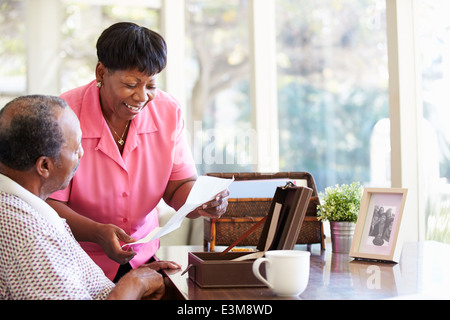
218	84
331	111
13	71
82	24
434	43
332	87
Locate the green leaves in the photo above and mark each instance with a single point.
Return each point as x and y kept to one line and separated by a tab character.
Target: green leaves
340	203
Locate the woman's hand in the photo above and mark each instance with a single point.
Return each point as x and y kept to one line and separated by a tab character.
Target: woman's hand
177	192
215	208
111	238
108	236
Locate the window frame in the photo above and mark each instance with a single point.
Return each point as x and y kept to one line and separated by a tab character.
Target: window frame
405	108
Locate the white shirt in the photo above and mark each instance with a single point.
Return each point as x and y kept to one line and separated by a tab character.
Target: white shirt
39	260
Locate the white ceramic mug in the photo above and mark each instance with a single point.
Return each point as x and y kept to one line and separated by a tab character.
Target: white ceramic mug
287	271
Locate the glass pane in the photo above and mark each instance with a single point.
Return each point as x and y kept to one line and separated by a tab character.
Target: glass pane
434	43
13	69
333	90
218	69
83	24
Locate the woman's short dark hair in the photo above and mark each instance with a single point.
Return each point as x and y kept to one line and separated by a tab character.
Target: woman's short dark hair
29	129
127	46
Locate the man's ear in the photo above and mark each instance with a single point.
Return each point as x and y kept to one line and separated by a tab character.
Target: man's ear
44	166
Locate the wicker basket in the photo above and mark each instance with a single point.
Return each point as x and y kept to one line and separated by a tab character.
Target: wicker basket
242	214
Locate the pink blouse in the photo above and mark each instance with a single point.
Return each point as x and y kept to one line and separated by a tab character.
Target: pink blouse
124	189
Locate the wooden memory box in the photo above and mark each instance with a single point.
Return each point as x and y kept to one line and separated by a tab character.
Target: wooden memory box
280	229
244	212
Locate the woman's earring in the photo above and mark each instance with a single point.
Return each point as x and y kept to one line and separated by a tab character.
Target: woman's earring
99	84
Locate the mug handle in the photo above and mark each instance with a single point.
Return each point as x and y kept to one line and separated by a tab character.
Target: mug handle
256	272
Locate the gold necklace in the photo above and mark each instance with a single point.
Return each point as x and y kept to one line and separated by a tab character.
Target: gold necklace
121	141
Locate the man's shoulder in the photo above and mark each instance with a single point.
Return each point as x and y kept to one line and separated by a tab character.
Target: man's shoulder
17	218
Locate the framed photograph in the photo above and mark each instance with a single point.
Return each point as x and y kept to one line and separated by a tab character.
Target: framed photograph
376	234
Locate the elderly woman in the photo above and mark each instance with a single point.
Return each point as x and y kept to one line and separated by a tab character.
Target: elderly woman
135	152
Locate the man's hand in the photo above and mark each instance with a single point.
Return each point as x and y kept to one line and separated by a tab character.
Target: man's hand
140	283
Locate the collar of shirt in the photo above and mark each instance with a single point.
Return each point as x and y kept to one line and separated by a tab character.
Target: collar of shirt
10	186
93	125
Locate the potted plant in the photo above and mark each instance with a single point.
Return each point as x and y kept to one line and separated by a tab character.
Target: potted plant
340	206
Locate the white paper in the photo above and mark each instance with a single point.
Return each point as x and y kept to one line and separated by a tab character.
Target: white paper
205	189
261	188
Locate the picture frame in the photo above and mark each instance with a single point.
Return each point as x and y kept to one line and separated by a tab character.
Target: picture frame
377	229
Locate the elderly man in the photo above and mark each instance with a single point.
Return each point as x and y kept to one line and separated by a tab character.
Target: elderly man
40	148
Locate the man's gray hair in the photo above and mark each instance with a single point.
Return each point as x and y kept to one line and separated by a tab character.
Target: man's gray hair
29	129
